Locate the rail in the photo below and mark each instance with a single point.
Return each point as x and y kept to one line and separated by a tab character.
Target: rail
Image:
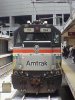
5	68
32	98
5	59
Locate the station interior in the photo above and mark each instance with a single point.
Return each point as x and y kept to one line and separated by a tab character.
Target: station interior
14	14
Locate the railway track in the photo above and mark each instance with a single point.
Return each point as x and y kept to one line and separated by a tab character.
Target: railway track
21	96
30	98
36	98
5	69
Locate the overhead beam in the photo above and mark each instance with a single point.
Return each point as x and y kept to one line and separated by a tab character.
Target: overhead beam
47	2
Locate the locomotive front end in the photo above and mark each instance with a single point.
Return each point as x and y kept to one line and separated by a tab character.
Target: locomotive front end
37	59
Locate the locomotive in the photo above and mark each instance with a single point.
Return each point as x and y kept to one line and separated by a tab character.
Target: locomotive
37	58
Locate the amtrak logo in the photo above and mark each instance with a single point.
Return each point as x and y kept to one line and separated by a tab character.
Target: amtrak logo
36	63
36	48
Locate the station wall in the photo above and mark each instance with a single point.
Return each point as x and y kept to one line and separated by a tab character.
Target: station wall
15	8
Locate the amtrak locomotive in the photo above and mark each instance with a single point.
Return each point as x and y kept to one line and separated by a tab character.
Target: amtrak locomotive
37	58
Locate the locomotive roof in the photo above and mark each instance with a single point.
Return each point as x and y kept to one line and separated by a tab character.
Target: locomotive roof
21	28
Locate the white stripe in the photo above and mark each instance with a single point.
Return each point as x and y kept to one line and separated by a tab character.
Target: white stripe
5	55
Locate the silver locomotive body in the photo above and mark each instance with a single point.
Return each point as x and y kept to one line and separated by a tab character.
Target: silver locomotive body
37	65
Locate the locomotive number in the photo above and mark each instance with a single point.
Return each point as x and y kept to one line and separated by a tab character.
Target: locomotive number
28	29
45	29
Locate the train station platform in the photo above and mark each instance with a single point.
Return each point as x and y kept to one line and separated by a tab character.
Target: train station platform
6	89
69	72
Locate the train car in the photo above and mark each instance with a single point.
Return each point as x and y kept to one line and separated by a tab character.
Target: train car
37	58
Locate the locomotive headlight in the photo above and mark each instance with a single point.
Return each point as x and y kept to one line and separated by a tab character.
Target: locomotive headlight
20	66
57	72
45	74
15	72
27	74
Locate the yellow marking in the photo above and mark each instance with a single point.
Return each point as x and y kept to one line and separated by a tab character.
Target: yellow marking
14	64
70	76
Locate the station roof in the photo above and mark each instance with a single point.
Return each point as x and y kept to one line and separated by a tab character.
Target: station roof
69	24
58	1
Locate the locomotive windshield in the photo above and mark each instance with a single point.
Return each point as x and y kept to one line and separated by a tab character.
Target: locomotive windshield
42	36
37	37
41	39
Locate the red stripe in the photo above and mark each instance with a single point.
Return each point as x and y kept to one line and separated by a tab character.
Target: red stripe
40	51
23	51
